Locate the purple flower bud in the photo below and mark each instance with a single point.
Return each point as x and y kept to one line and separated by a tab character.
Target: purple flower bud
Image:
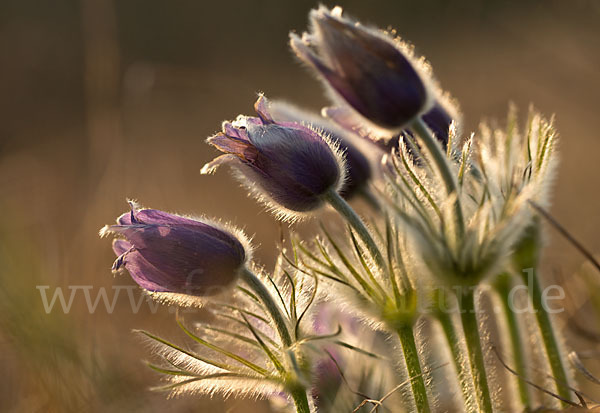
345	118
438	119
372	72
287	164
169	253
358	167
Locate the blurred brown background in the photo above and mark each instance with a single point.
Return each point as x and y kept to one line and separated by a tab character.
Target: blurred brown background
103	100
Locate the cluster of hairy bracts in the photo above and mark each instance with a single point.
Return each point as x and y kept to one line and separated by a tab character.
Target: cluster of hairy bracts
384	298
468	235
236	349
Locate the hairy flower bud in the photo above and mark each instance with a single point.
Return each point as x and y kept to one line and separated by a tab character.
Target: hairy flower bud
438	119
372	72
169	253
358	168
288	165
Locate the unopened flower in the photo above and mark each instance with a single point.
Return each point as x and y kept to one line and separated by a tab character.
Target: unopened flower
169	253
358	168
439	119
372	72
289	166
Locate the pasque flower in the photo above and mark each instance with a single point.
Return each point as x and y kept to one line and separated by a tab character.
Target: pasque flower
358	168
372	72
392	297
169	253
439	119
288	165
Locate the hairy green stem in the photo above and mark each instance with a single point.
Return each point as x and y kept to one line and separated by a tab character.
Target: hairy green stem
413	365
300	400
440	159
476	360
444	317
548	336
526	259
340	205
263	294
503	287
298	393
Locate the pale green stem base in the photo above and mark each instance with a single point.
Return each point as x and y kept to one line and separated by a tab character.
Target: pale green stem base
300	400
548	336
298	394
503	287
476	360
452	336
263	294
413	365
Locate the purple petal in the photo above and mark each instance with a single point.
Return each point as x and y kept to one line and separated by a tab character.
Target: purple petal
128	218
184	251
145	274
261	106
241	148
344	117
121	246
439	121
156	217
167	252
212	166
305	53
234	132
290	162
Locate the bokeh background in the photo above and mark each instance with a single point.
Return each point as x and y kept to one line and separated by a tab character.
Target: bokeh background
103	100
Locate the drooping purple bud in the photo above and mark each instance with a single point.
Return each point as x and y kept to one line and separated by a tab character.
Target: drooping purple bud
438	119
358	167
345	118
168	253
291	165
372	72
